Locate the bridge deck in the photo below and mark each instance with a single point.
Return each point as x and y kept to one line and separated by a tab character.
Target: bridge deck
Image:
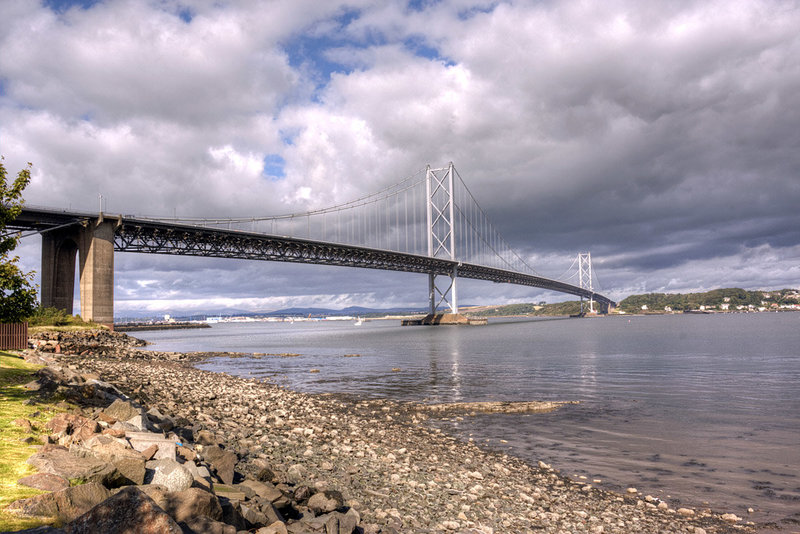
133	234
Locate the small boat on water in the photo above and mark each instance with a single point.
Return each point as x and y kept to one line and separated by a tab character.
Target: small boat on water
358	321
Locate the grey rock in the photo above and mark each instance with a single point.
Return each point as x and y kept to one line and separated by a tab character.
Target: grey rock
204	525
131	470
264	490
140	422
296	473
222	461
339	523
65	504
170	474
130	510
303	493
59	461
253	516
270	512
142	441
122	410
193	502
275	528
232	514
128	462
324	502
44	482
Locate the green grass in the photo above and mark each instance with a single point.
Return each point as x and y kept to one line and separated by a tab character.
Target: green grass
53	317
14	373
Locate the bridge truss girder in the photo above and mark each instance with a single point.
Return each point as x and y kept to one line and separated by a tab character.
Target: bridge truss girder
160	237
156	238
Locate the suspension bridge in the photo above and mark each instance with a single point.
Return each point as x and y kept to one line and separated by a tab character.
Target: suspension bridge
429	223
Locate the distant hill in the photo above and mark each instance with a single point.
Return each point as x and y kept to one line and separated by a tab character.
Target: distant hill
529	309
728	299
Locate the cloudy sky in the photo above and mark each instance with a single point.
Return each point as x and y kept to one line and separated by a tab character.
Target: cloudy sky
662	136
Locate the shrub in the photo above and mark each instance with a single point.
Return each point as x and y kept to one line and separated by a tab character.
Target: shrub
55	317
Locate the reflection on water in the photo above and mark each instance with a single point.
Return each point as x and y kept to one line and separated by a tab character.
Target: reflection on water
705	408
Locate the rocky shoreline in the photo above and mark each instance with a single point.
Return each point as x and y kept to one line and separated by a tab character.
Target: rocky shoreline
275	460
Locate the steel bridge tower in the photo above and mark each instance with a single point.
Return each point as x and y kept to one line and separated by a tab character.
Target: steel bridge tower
441	234
585	277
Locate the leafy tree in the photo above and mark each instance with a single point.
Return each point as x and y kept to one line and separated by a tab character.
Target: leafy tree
17	297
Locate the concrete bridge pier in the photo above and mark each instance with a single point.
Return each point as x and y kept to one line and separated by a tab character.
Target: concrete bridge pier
93	244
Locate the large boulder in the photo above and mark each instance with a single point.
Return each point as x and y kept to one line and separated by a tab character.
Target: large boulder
131	511
325	501
129	463
339	523
130	471
254	517
123	410
170	474
232	514
59	461
193	502
144	441
77	426
44	482
222	461
64	505
265	490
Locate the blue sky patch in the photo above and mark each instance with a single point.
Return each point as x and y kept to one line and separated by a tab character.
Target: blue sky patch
185	14
420	48
274	167
288	137
467	14
421	5
308	49
59	6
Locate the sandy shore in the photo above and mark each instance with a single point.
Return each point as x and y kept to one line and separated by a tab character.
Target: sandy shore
398	471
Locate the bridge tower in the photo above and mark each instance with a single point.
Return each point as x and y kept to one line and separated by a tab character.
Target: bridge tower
585	276
441	235
93	244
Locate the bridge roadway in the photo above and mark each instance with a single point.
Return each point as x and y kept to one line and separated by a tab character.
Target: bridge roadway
133	234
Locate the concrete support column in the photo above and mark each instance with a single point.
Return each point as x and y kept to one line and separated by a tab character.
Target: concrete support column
59	249
97	271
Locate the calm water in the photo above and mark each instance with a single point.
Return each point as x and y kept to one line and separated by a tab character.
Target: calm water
701	408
